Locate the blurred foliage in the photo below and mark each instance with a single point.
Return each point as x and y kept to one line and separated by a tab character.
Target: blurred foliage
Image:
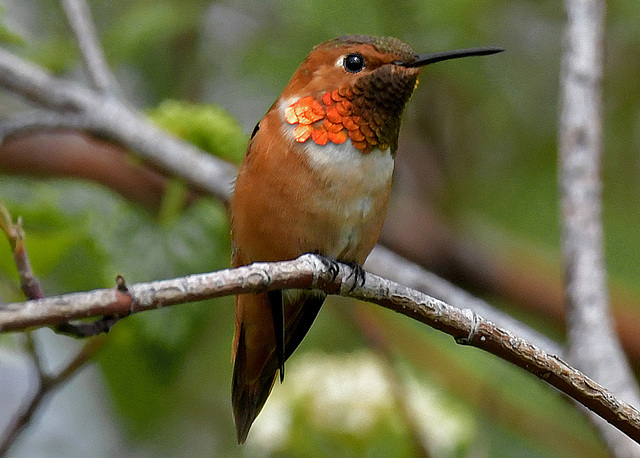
6	34
207	126
478	139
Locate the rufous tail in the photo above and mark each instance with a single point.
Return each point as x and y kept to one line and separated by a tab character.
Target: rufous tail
256	363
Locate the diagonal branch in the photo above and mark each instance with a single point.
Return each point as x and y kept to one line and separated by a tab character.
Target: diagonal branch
309	272
388	264
79	18
117	121
42	120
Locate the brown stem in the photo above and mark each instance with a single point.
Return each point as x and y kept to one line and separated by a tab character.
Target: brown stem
74	154
14	233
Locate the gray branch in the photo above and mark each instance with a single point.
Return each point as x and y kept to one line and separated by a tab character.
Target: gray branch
42	120
309	271
593	344
117	121
388	264
79	18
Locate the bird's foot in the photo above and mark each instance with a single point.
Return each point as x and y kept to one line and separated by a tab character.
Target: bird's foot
333	266
358	274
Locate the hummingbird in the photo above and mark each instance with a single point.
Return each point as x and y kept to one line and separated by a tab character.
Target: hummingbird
315	178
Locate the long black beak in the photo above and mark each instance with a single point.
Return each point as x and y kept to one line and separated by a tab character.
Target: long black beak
425	59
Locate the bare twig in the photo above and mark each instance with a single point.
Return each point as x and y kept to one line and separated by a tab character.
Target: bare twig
46	385
593	344
14	233
79	18
309	272
32	289
100	326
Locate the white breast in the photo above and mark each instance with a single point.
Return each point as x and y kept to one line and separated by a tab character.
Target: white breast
353	181
345	165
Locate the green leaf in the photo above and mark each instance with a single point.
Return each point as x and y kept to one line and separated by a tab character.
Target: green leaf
207	126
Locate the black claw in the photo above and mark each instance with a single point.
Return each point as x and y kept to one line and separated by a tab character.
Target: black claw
330	264
358	273
277	315
333	266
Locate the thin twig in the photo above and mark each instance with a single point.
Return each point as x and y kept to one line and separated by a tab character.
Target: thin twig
100	326
46	385
79	18
15	234
309	272
32	289
593	344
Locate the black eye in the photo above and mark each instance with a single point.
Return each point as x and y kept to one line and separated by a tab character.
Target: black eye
353	63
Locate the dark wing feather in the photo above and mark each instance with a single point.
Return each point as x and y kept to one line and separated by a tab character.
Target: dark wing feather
249	394
277	316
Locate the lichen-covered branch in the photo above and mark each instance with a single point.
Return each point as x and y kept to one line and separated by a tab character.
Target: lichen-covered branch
308	271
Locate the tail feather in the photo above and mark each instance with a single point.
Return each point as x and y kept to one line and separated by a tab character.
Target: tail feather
277	315
248	396
304	307
256	362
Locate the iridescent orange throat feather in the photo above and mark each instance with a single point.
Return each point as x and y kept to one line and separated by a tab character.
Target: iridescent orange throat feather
368	112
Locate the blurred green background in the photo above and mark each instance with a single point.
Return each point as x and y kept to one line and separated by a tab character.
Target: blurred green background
477	148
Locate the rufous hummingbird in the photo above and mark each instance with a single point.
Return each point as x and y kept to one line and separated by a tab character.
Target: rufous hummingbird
315	178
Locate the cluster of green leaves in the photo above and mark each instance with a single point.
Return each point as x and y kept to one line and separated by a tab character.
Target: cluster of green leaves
208	127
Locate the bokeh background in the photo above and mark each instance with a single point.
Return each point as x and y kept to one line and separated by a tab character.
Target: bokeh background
475	200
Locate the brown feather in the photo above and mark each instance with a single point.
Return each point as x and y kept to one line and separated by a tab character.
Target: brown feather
292	197
254	371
